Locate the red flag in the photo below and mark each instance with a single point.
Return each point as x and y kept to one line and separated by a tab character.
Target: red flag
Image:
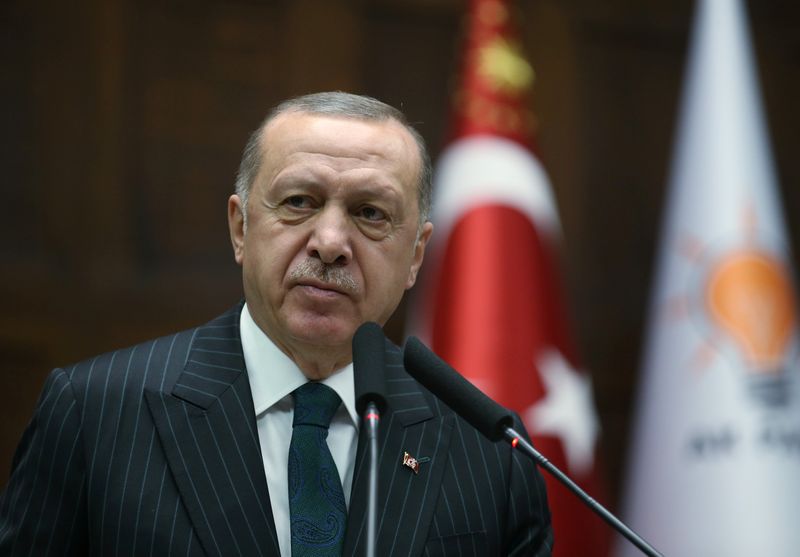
490	302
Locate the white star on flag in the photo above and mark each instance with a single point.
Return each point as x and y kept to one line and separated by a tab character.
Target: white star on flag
566	412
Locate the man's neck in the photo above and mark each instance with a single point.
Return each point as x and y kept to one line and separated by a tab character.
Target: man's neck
320	365
315	361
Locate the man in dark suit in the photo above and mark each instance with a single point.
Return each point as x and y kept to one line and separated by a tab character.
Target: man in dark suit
190	444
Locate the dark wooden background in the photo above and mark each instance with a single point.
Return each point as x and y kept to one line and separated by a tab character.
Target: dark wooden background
123	122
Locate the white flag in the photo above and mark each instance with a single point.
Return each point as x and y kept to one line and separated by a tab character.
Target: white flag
715	461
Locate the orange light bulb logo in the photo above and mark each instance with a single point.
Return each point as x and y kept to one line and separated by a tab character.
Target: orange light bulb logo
750	296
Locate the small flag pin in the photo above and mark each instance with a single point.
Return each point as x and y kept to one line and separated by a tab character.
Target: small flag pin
411	462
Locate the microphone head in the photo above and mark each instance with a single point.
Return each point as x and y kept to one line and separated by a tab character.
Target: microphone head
458	393
369	348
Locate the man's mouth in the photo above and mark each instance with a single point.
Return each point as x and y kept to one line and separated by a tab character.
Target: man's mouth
321	287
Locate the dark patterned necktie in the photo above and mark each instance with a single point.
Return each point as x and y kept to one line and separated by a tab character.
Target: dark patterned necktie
317	508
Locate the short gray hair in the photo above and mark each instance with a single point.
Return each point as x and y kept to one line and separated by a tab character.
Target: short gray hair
346	105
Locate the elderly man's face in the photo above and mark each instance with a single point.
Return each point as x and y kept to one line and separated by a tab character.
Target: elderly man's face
331	236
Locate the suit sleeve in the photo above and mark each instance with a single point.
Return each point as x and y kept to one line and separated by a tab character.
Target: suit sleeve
43	508
529	531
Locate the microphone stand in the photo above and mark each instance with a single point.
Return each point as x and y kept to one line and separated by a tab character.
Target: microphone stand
518	441
371	419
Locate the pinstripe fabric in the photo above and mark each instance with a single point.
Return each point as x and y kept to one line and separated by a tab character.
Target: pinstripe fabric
152	450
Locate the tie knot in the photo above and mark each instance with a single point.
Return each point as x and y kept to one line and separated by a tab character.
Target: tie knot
315	404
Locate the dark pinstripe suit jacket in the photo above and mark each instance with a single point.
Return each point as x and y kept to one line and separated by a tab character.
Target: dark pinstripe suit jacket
153	450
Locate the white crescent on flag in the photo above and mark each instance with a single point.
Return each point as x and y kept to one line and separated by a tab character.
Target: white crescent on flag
485	170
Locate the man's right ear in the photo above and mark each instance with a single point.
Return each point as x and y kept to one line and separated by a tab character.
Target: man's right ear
236	226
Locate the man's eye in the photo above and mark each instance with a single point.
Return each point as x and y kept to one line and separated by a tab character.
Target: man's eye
371	213
298	202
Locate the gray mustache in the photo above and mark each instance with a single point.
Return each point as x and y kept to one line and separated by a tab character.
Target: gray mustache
315	269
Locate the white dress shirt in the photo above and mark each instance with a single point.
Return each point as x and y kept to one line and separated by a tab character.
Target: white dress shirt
273	376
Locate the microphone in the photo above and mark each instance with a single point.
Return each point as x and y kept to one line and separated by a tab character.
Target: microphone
458	393
369	347
495	422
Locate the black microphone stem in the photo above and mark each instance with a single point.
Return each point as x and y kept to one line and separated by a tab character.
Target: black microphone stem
369	345
518	442
371	419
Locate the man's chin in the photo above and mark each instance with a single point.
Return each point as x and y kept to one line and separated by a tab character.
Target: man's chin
323	331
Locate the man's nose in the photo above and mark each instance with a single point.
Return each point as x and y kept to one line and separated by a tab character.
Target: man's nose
330	238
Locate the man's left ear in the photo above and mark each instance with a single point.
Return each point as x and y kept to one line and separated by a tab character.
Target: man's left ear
236	227
419	253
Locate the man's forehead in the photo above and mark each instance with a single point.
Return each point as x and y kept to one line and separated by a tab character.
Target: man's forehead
294	131
290	120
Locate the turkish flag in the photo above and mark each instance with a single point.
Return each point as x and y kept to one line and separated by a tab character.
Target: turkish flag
490	300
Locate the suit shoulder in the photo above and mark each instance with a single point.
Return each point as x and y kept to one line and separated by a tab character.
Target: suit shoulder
140	356
150	362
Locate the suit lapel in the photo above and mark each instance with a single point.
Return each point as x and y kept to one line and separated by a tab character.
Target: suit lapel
406	501
206	423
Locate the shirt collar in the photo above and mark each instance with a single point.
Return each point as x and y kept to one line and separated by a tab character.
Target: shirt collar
273	375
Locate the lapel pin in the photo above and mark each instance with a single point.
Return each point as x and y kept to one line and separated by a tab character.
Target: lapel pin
411	462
